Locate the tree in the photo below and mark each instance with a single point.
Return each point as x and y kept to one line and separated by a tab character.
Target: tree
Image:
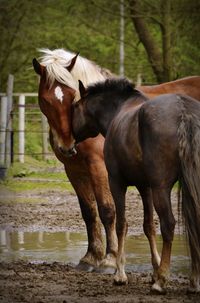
15	39
159	57
163	24
160	36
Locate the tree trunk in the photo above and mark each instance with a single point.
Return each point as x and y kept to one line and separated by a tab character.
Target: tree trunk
166	39
160	59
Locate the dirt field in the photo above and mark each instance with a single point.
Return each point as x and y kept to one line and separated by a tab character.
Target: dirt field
24	282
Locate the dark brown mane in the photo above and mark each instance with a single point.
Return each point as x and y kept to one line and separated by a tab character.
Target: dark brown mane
119	86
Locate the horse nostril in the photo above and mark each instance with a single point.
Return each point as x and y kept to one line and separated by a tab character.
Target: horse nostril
72	151
68	152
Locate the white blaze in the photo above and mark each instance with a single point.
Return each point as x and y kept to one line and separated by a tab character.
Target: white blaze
59	93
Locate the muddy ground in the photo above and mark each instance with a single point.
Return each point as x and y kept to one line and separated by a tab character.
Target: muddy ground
54	211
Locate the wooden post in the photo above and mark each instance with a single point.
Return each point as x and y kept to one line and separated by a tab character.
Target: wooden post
139	80
9	119
3	120
21	127
44	137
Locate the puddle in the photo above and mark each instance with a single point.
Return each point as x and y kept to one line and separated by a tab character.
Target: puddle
69	247
138	256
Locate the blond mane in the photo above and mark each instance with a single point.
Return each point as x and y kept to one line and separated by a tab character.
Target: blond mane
85	70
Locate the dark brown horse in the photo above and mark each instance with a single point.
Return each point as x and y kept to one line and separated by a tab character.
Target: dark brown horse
150	145
85	169
188	85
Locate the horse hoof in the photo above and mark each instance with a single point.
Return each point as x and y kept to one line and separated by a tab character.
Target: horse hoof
82	266
157	289
120	280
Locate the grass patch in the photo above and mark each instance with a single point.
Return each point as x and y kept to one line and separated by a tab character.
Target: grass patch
29	176
22	185
47	175
16	199
31	166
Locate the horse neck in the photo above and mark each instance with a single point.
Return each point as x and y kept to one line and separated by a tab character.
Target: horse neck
110	106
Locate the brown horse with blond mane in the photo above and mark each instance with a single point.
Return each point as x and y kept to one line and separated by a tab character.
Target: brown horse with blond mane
59	72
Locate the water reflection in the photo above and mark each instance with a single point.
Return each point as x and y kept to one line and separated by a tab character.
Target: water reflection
42	246
70	247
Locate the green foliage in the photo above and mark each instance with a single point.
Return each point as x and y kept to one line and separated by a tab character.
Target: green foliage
92	28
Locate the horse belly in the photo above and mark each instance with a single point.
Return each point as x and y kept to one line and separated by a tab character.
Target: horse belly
133	173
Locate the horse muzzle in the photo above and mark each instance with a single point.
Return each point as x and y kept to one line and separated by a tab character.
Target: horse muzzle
68	152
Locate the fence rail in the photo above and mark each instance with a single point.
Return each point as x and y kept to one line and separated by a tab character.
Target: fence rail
10	132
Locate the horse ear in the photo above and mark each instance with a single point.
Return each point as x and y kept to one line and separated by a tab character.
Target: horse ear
37	67
72	63
82	89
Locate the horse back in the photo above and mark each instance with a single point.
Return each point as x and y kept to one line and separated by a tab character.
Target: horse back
189	86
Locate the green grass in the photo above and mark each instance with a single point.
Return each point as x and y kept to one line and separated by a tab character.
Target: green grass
21	185
48	175
31	165
29	176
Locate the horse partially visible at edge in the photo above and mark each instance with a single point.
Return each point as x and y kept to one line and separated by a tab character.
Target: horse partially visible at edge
150	145
189	86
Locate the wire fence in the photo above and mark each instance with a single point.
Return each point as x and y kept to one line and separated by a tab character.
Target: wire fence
23	129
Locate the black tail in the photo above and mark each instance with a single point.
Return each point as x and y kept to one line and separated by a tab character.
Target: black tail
189	153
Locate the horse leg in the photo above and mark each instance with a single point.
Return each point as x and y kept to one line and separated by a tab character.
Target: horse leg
149	227
95	251
106	209
83	188
162	204
78	174
118	191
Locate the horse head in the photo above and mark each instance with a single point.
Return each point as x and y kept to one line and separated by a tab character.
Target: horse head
55	100
83	124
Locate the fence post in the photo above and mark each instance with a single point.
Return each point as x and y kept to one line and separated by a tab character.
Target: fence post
21	127
44	137
139	80
9	119
3	120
